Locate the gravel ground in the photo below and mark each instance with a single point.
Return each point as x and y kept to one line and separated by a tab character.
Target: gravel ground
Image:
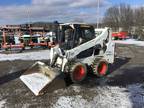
123	88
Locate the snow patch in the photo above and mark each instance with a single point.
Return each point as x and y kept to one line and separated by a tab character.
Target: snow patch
71	102
39	55
106	97
2	103
112	97
131	42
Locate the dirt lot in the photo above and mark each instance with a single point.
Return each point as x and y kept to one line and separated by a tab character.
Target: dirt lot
122	88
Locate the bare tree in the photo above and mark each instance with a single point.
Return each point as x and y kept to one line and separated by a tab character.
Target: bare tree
119	16
126	16
139	21
111	18
139	16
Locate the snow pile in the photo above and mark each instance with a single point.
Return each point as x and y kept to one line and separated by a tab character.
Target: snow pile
39	55
72	102
112	97
130	41
2	103
106	97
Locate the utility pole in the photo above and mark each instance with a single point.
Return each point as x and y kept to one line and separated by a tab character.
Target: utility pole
28	15
97	13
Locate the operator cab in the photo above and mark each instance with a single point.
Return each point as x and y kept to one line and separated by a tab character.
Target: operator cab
72	35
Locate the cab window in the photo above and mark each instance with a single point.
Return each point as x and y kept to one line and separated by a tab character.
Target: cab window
86	34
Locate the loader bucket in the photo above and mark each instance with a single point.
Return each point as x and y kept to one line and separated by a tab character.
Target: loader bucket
38	77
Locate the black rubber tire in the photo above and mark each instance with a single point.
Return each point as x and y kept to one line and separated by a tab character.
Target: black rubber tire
96	67
73	72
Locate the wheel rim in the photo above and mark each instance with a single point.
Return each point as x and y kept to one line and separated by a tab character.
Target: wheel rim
102	68
79	73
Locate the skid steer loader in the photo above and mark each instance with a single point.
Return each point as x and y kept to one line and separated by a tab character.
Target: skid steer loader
79	48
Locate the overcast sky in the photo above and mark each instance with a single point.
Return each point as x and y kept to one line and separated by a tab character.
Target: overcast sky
21	11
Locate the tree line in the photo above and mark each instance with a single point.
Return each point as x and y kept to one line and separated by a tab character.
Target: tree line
123	17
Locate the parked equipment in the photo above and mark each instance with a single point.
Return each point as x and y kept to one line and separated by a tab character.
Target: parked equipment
11	40
39	40
78	49
119	35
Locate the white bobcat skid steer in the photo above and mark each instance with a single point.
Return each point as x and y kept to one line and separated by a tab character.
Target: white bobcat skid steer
80	47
